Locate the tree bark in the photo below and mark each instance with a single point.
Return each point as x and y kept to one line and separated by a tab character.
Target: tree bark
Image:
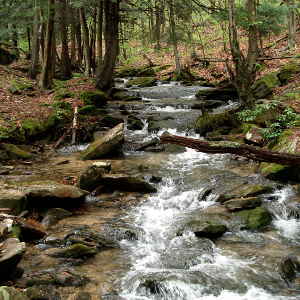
35	52
99	34
46	77
291	24
247	151
65	58
105	72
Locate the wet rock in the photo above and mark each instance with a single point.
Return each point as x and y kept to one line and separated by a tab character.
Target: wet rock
144	146
107	145
245	191
31	230
124	95
54	215
142	82
210	122
134	123
10	293
13	199
205	229
155	179
11	252
255	219
242	203
109	121
83	296
97	98
208	104
289	267
151	286
288	142
74	251
57	277
122	182
50	194
90	178
220	93
10	151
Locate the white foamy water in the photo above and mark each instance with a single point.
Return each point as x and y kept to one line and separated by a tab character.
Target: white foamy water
73	149
169	109
285	220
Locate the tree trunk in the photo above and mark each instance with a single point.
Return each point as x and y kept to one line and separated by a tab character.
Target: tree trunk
250	152
105	73
99	34
174	36
46	77
35	52
65	58
291	24
158	21
86	43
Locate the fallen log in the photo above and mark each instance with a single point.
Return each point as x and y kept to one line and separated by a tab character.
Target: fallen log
222	147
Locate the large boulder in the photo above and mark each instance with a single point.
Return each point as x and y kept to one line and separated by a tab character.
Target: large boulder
122	182
142	82
13	199
74	251
10	151
12	251
287	72
97	98
255	219
109	144
264	86
289	142
134	123
222	122
219	93
242	203
90	178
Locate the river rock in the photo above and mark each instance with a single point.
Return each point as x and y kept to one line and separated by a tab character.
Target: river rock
219	93
10	151
97	98
10	293
288	72
90	178
107	145
126	183
74	251
142	82
13	199
205	229
264	86
245	191
54	215
242	203
289	142
255	219
289	267
208	104
11	252
134	123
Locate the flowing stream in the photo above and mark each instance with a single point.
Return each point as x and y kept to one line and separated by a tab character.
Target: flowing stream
165	265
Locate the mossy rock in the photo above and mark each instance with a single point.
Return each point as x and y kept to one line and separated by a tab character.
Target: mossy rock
184	75
255	219
13	199
75	251
10	293
289	142
142	82
63	94
14	152
210	122
6	57
97	98
287	72
246	191
32	127
264	86
124	96
17	87
88	110
218	93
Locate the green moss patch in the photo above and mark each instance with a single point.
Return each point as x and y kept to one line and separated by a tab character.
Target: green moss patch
97	98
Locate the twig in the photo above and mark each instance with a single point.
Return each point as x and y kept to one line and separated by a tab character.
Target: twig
74	127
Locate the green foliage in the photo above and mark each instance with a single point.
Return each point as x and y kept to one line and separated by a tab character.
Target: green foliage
288	118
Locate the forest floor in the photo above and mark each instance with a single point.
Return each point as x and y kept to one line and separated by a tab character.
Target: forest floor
35	103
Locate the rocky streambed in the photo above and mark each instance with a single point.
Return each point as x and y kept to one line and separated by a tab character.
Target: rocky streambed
150	221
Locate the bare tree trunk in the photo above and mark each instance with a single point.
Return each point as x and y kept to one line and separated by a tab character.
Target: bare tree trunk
291	24
174	36
99	34
86	42
35	42
65	58
105	73
47	74
244	150
158	21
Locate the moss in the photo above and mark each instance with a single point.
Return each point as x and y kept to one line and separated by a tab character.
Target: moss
97	98
17	87
32	127
63	94
264	86
88	110
211	122
184	75
123	96
255	219
287	72
76	251
14	152
142	82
